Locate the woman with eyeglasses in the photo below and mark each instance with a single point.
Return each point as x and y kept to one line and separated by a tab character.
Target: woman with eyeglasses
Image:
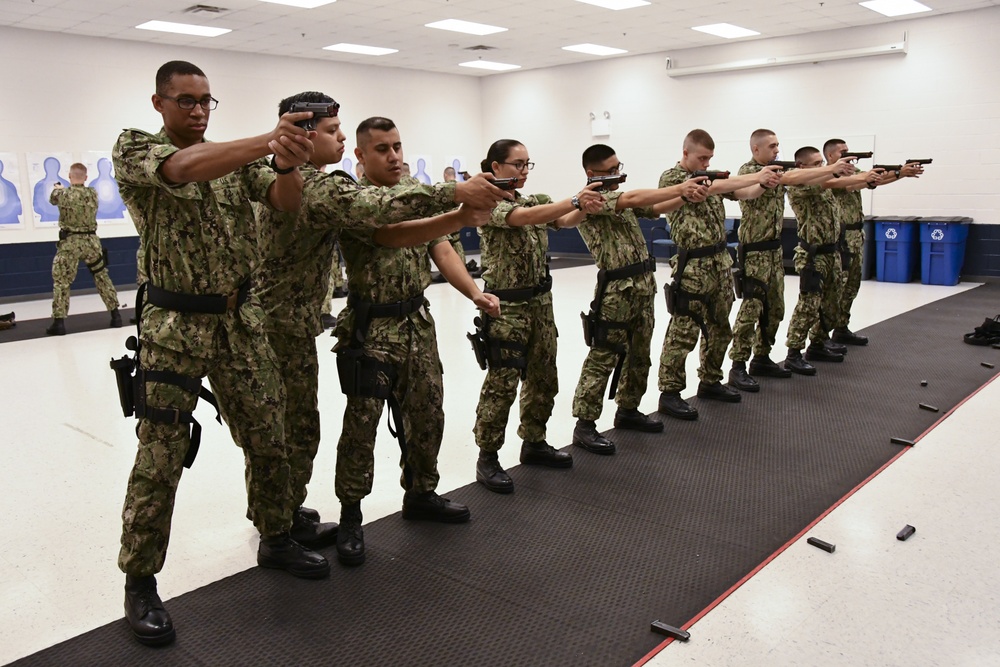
521	342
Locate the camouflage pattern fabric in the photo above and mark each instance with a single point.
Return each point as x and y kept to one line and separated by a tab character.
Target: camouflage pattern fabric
455	239
198	238
78	213
696	226
514	258
808	318
760	221
850	211
337	280
615	241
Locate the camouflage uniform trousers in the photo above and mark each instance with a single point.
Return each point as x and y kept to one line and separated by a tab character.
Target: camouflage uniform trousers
811	315
715	285
410	345
765	266
336	281
69	252
299	368
636	312
532	324
852	276
244	377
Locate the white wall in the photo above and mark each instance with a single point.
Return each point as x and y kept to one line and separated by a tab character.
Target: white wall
75	94
941	100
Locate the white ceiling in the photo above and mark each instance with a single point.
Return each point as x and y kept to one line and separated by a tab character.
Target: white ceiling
537	29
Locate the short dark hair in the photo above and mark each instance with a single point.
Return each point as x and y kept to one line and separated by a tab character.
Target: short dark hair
285	105
700	138
596	154
374	123
830	143
498	152
805	152
168	70
760	134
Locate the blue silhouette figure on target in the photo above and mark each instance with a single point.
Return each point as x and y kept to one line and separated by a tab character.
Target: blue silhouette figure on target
348	166
43	188
109	201
457	166
10	201
421	174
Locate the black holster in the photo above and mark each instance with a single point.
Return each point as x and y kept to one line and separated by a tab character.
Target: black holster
489	350
364	376
810	280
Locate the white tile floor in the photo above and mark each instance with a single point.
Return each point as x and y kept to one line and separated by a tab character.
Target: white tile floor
67	451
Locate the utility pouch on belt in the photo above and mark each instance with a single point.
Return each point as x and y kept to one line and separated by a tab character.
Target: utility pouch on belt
810	280
589	327
671	292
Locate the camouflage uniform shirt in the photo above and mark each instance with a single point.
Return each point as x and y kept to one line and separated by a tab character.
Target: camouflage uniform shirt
761	217
816	211
77	208
615	240
514	257
699	224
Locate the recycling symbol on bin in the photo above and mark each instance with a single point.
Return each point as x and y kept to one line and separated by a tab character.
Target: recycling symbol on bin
937	234
890	233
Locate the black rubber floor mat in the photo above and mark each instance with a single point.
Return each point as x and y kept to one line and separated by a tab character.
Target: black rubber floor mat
571	568
28	329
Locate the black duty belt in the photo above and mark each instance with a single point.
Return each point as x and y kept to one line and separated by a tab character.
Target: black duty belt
760	246
66	233
209	304
523	293
821	249
705	251
647	265
856	226
395	309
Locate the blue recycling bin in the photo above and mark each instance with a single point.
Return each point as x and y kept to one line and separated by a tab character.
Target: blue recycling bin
897	244
942	242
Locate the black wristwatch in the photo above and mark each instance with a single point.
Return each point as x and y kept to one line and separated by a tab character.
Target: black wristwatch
279	170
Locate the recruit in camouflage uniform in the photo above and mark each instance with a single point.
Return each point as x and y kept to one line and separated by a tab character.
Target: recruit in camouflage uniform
698	225
761	221
851	220
292	283
78	240
198	239
515	258
615	240
815	209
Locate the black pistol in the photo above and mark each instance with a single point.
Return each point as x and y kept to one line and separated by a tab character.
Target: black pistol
710	175
606	181
505	183
920	161
319	110
784	164
856	155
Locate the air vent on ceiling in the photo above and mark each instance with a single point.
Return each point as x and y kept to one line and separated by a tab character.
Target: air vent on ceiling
480	47
205	9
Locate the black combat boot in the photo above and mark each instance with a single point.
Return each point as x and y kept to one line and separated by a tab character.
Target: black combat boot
762	366
57	328
818	352
630	419
796	364
306	512
739	378
542	453
150	622
312	533
350	536
491	474
834	347
429	506
848	337
717	391
672	404
585	435
281	552
328	321
116	319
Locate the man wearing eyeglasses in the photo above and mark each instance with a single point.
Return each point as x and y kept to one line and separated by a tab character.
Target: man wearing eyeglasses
190	201
619	327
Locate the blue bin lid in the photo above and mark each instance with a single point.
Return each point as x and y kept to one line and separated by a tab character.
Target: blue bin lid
943	218
897	218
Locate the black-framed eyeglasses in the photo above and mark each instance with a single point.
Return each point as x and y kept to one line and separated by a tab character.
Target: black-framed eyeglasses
188	103
614	171
521	166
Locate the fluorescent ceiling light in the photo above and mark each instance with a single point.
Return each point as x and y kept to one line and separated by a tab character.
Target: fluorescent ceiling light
594	49
304	4
486	64
183	28
360	48
468	27
615	4
895	7
726	30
